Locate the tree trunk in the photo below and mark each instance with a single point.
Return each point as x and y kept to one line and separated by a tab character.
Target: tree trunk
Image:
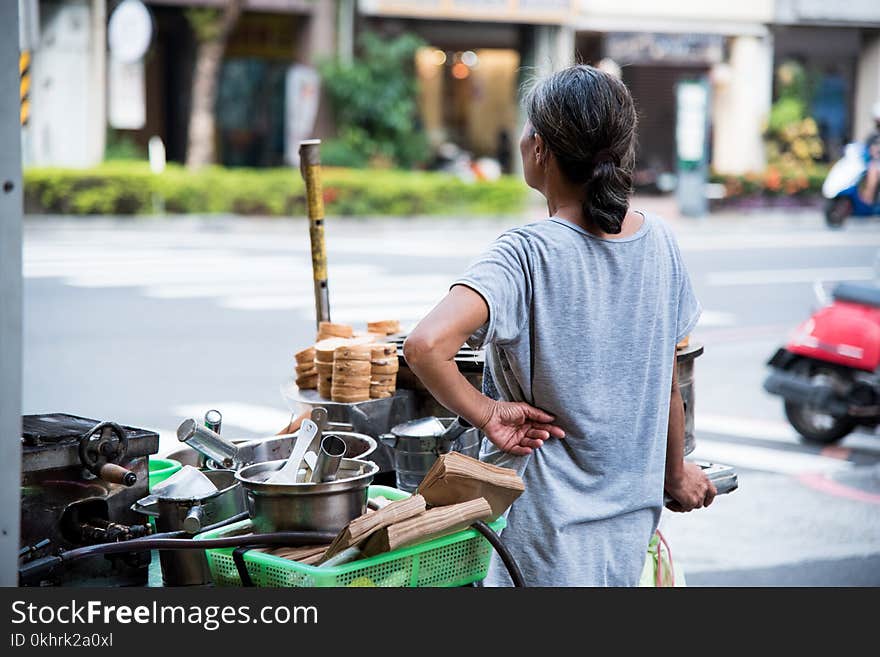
200	138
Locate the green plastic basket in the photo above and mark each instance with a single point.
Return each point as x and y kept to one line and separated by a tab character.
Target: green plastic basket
454	560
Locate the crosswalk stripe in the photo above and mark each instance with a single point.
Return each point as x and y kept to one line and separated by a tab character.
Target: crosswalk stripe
772	430
777	276
765	459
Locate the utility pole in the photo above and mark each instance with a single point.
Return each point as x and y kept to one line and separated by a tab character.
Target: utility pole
10	293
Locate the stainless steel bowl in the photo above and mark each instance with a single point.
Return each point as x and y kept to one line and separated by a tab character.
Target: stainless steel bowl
306	506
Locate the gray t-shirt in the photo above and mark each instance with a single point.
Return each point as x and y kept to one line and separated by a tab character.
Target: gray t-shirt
588	327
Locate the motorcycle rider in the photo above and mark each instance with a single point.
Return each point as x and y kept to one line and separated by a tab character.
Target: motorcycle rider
868	192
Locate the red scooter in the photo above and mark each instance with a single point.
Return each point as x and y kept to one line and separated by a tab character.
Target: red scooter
828	372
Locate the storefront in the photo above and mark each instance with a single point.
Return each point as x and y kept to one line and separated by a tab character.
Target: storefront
652	64
476	57
251	93
829	57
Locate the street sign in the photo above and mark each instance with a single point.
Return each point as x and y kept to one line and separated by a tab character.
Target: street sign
126	102
130	31
691	130
302	91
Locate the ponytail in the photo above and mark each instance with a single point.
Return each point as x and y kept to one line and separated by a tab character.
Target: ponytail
606	195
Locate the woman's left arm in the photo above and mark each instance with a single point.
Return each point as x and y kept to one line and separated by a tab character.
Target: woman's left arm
430	350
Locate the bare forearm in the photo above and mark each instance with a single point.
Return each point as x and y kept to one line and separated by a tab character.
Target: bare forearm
445	382
675	437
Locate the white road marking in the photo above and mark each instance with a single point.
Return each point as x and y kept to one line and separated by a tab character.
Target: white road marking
713	318
694	241
772	430
777	276
765	459
745	427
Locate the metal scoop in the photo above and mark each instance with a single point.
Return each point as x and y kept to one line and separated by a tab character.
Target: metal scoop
308	430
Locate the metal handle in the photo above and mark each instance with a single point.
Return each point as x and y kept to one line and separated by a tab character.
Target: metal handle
192	524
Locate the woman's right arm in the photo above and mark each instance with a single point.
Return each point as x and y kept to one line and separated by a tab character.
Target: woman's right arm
430	350
685	482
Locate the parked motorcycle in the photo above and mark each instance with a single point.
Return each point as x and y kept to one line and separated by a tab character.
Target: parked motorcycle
827	373
841	187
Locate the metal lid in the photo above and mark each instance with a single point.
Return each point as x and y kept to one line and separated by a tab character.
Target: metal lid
426	427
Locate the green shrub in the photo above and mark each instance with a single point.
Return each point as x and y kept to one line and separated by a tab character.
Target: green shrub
125	188
374	104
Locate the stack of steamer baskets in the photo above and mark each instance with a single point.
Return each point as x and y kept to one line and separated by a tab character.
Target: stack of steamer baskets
345	366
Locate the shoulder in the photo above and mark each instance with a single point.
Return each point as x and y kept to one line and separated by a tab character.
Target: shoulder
538	235
661	229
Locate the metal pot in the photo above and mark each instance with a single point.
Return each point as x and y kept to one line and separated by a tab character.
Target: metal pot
189	567
306	506
419	443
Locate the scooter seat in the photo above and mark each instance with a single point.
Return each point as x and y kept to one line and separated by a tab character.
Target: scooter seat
863	293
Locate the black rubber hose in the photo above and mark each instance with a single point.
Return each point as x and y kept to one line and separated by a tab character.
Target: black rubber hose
45	566
238	559
503	552
287	539
180	533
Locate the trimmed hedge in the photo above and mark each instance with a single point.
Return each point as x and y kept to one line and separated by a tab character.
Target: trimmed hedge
122	188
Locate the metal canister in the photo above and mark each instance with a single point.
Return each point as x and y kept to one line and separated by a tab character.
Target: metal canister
214	420
418	444
189	567
685	358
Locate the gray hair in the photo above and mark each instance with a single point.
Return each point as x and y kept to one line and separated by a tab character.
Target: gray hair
588	121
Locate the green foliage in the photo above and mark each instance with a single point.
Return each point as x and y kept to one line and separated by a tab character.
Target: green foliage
374	104
792	137
130	188
204	22
120	146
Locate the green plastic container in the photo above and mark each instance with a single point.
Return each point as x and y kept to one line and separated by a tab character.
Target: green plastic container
161	469
454	560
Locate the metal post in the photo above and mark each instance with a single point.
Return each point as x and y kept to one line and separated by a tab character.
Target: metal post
310	167
10	295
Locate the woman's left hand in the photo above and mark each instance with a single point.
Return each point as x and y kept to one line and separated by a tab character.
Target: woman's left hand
519	428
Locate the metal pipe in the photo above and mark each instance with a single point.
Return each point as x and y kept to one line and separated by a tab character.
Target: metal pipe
310	168
329	458
207	442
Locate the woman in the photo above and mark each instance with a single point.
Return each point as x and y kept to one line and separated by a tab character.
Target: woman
580	315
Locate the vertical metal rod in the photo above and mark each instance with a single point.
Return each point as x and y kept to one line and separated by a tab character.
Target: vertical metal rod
310	167
10	294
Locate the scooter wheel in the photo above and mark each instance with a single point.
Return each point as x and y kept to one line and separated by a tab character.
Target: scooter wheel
837	210
817	427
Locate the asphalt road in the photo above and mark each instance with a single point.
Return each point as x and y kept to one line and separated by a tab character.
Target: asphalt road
147	321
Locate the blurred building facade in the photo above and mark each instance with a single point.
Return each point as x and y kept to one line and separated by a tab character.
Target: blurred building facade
478	54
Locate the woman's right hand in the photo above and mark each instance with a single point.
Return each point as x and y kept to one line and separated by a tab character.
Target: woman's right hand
518	428
690	489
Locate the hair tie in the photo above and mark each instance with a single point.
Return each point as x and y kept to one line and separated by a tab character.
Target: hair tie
603	156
